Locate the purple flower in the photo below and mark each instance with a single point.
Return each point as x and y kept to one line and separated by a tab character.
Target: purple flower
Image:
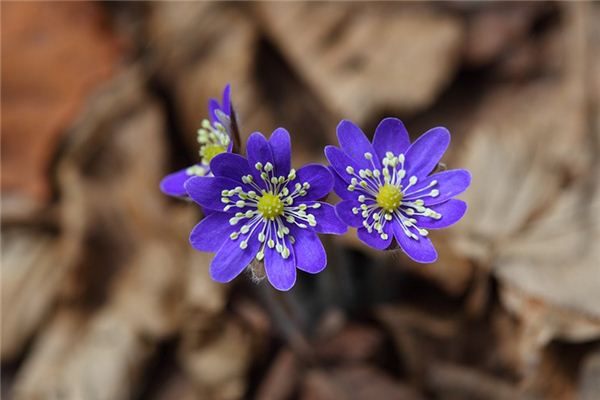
214	137
387	189
264	210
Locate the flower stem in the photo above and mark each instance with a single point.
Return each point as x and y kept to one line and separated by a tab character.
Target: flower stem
287	326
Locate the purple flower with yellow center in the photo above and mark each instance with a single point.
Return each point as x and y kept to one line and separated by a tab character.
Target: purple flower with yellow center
214	137
388	190
263	211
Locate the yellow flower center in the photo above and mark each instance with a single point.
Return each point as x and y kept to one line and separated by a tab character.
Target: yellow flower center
270	206
389	197
209	151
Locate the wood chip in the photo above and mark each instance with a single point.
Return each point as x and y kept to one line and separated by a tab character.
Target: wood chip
356	76
354	383
39	107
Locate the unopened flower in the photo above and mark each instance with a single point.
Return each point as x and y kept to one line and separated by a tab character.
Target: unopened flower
387	189
262	210
214	137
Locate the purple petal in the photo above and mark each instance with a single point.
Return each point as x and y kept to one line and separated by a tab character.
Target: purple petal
172	184
344	212
425	153
452	211
258	150
231	259
281	148
340	161
327	219
206	191
229	165
421	250
213	106
341	188
281	272
211	232
449	184
373	239
319	178
354	143
309	251
226	100
390	135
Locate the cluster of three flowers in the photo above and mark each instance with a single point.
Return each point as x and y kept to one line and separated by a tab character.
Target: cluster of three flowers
259	209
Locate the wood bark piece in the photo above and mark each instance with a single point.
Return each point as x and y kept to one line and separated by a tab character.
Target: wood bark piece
128	276
534	201
558	258
354	383
34	266
494	30
177	387
589	381
362	58
555	375
452	272
352	344
222	51
543	321
205	298
42	94
219	364
412	332
452	381
541	243
215	352
40	370
104	358
534	197
282	378
102	364
515	163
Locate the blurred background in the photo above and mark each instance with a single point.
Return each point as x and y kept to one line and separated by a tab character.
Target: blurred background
103	298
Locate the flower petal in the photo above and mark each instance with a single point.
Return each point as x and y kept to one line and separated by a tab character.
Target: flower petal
425	153
421	250
309	251
341	188
327	219
281	272
344	212
226	100
354	143
318	177
340	161
213	106
449	184
373	239
172	184
281	147
211	232
258	151
206	191
230	165
452	211
390	135
231	259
